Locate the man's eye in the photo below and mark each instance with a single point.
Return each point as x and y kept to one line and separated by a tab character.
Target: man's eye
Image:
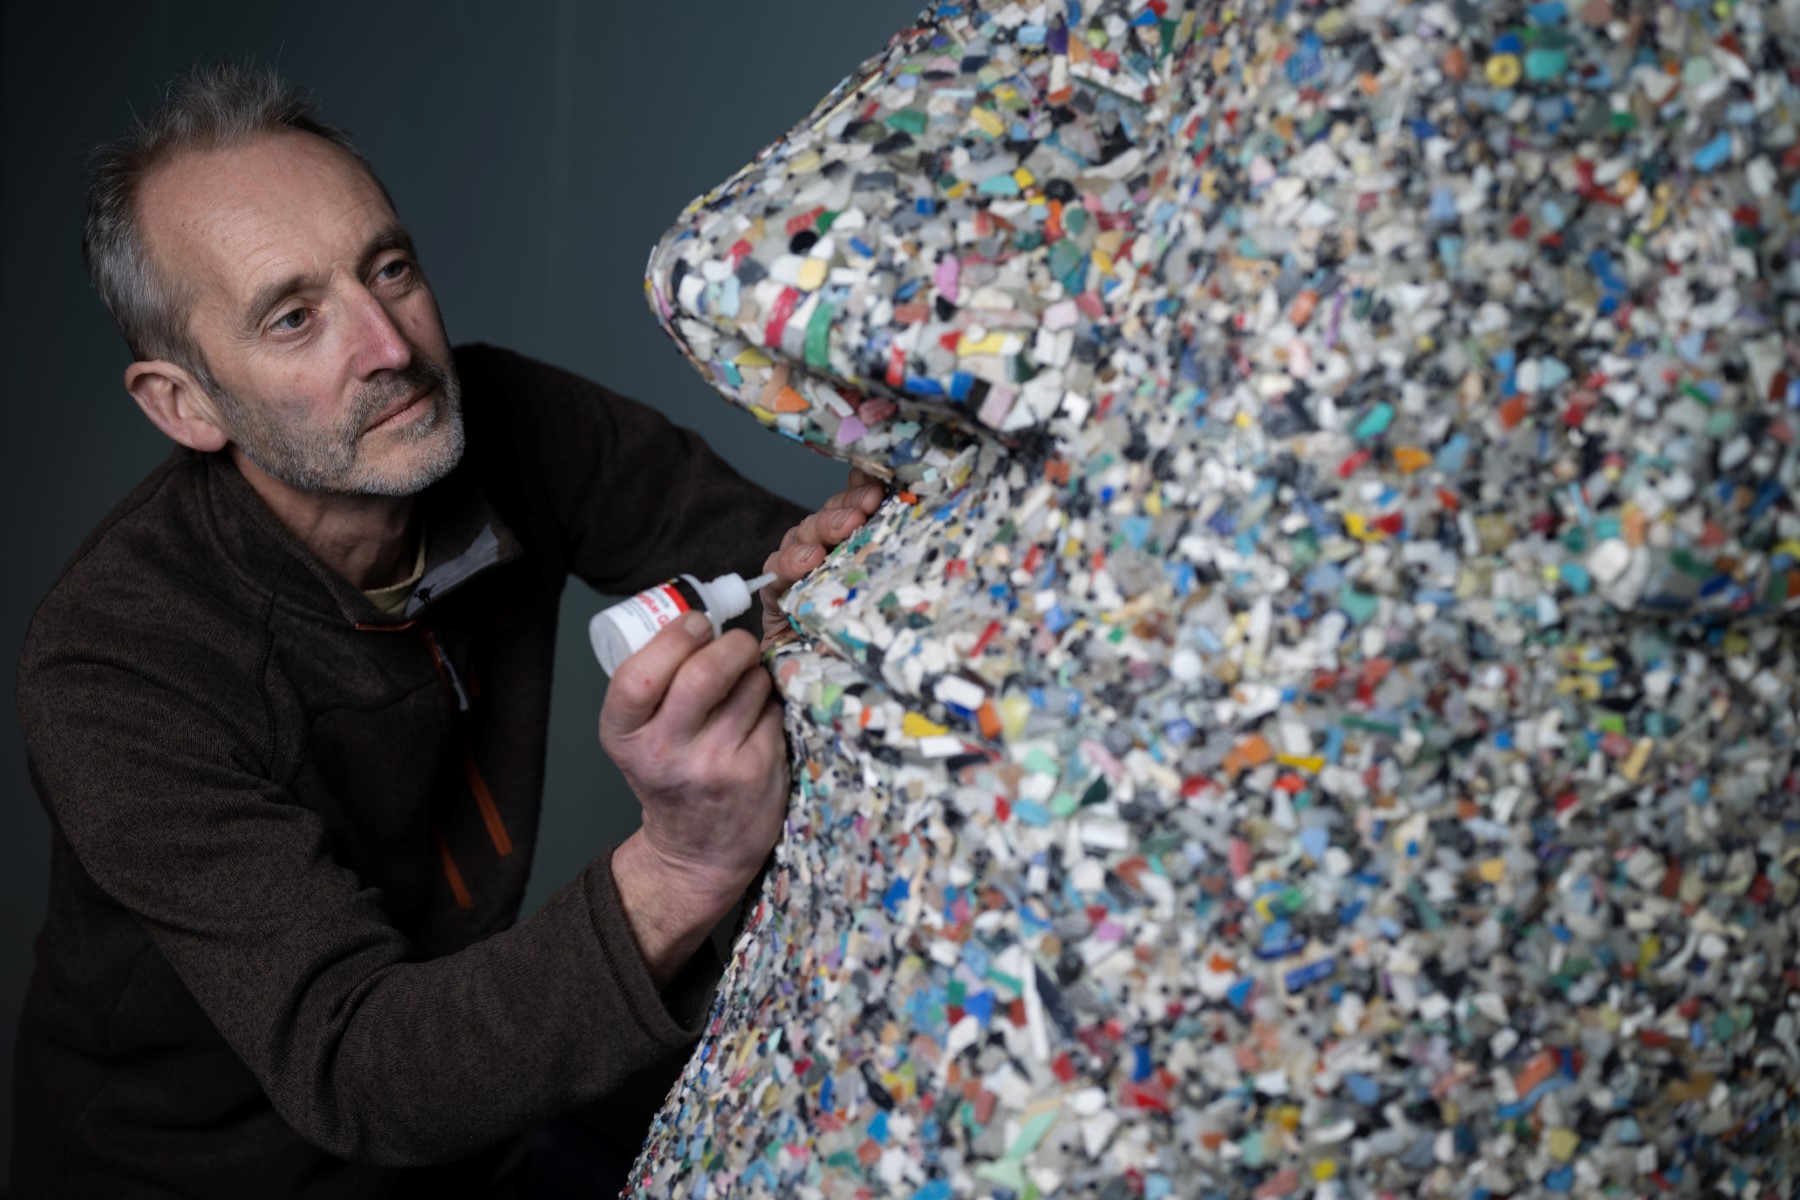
395	269
290	321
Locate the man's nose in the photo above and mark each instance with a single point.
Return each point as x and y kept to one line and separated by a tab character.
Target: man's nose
379	344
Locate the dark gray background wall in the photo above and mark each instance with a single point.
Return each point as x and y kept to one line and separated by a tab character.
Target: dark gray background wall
536	150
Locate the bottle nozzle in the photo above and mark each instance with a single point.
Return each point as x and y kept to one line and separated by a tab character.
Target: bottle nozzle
760	582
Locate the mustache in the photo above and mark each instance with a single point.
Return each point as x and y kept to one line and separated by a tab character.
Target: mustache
420	374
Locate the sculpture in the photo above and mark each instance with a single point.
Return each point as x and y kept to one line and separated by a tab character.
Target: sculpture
1317	713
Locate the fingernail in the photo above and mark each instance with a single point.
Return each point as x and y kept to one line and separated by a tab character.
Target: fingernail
696	624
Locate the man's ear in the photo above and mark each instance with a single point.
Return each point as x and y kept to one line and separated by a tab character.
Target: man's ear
176	404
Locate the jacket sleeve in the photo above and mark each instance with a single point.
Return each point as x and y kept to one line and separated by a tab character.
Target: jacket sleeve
634	498
166	804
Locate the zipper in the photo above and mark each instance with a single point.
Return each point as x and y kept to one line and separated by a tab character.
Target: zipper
446	669
458	888
478	787
484	798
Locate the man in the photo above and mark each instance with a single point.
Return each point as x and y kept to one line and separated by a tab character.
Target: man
286	708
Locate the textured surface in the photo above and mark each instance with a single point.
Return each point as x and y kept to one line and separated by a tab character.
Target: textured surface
1317	714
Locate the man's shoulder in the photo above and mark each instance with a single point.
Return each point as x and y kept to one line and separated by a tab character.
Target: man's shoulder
151	570
503	374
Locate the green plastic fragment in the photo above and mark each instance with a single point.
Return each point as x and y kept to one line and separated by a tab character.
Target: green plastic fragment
1009	982
818	336
1375	422
1036	1126
1429	917
1008	1173
1545	65
907	120
1359	605
1690	566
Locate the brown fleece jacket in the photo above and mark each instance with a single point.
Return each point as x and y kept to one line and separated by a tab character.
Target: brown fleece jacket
291	833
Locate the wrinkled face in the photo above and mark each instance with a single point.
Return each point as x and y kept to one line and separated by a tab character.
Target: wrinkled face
327	359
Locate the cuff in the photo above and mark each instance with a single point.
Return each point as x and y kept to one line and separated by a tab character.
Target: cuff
675	1017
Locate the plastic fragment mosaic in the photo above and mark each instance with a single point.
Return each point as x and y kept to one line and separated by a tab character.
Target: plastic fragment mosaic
1317	715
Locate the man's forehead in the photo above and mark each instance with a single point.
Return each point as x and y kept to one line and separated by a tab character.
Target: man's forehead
226	221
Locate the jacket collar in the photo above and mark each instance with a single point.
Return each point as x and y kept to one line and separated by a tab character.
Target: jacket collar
465	537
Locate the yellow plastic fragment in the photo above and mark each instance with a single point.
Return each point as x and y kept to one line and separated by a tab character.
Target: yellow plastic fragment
1312	764
750	356
1491	870
812	274
1014	710
1586	687
993	343
913	725
1633	766
1357	526
1563	1144
988	121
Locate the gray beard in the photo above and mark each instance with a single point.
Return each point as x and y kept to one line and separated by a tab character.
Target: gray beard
327	462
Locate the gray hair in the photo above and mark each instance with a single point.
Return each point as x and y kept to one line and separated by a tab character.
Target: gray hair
213	107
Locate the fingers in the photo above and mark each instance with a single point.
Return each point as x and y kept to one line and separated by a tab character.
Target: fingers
706	680
804	546
767	730
842	516
642	680
863	495
734	722
867	491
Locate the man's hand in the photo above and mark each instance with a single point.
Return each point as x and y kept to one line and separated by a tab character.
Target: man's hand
803	547
692	724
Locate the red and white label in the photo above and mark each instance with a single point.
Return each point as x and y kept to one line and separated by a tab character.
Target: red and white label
644	615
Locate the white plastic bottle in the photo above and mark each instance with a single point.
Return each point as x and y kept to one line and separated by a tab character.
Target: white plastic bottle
622	630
